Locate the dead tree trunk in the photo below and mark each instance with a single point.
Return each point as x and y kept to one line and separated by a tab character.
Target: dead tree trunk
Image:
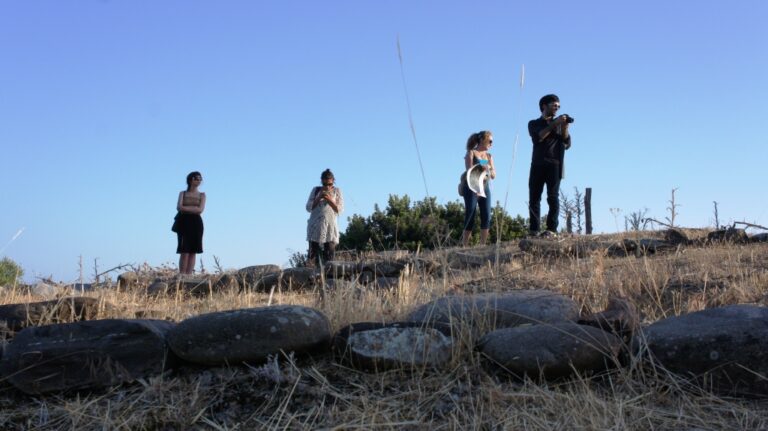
588	209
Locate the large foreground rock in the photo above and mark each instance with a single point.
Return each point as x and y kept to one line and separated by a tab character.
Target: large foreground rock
723	348
376	346
498	310
549	351
19	316
250	334
84	355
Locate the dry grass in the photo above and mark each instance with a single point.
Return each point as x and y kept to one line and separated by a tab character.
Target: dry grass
320	394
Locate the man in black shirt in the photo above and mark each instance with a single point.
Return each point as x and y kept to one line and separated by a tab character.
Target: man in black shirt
550	138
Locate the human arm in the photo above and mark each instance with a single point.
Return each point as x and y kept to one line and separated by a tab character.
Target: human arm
491	168
555	127
334	199
338	204
313	199
201	208
190	209
468	160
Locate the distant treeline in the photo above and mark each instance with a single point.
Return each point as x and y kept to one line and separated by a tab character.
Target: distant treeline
423	224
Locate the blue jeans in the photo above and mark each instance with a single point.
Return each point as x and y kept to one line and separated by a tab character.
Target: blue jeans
471	202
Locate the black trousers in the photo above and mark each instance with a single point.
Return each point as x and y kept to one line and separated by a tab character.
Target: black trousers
328	250
549	175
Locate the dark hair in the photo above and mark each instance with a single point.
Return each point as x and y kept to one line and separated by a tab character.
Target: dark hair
326	174
546	100
475	139
191	175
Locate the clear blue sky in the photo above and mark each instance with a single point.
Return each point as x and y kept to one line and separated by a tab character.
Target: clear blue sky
105	106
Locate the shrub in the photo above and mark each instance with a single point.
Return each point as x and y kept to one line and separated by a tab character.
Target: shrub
10	272
421	224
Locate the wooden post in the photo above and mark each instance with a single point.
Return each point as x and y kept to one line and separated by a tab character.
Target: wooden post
588	209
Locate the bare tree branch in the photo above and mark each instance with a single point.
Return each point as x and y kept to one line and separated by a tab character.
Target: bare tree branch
659	222
750	225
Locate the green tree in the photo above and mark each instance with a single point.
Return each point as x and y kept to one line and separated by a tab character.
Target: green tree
10	272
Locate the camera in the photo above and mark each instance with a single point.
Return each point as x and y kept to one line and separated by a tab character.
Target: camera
568	118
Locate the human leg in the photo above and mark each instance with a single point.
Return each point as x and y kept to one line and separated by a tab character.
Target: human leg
485	215
191	263
470	204
314	253
535	188
466	237
329	251
553	196
183	263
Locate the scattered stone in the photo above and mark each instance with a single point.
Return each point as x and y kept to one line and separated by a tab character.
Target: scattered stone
730	234
341	269
298	278
467	260
81	287
291	278
196	286
373	346
563	247
424	265
337	283
686	236
45	290
226	282
387	283
127	280
366	278
384	268
498	310
71	309
152	314
620	317
250	335
549	351
252	276
85	355
641	247
725	348
158	287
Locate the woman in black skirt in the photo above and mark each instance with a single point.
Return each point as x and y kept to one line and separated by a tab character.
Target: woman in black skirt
189	224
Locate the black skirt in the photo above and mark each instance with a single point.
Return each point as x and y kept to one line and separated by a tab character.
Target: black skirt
190	233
